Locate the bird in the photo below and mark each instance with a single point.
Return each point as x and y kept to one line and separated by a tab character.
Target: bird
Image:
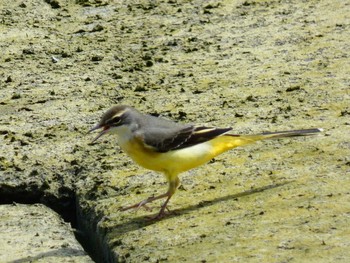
169	147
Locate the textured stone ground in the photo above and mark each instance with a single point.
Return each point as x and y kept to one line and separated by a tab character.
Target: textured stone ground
34	233
254	65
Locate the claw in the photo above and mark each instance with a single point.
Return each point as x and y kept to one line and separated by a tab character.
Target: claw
144	203
158	216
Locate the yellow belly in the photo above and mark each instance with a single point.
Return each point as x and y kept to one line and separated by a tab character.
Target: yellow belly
177	161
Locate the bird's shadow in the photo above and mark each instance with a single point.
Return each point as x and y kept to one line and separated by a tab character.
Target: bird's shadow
142	221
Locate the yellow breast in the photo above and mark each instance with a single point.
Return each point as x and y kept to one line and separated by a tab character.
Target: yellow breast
142	155
176	161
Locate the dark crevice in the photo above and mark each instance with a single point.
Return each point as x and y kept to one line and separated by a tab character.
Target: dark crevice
65	206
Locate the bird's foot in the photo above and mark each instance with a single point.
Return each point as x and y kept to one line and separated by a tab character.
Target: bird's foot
144	203
162	213
138	206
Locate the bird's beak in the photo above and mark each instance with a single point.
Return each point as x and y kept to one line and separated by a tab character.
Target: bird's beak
98	126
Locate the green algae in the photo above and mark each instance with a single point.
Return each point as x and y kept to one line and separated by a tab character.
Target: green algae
253	65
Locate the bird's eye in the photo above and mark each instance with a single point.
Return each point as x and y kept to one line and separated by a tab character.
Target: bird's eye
116	120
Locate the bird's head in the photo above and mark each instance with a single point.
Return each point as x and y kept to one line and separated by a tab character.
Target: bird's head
114	120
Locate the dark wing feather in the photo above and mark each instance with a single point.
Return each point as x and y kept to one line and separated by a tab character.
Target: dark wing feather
177	140
186	136
203	134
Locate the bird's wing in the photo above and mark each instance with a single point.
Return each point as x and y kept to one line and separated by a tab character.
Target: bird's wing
164	140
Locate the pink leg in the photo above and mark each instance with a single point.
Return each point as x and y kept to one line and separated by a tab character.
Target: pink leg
145	202
173	185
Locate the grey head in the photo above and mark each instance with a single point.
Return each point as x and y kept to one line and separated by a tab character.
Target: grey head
116	116
141	124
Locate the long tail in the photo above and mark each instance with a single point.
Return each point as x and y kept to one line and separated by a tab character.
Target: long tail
293	133
230	141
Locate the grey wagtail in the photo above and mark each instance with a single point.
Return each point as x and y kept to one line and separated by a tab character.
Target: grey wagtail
162	145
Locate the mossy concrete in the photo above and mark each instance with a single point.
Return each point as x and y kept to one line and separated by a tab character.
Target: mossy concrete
34	233
254	65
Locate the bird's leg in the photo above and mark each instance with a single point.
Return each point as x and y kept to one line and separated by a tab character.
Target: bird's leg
161	213
173	185
144	203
